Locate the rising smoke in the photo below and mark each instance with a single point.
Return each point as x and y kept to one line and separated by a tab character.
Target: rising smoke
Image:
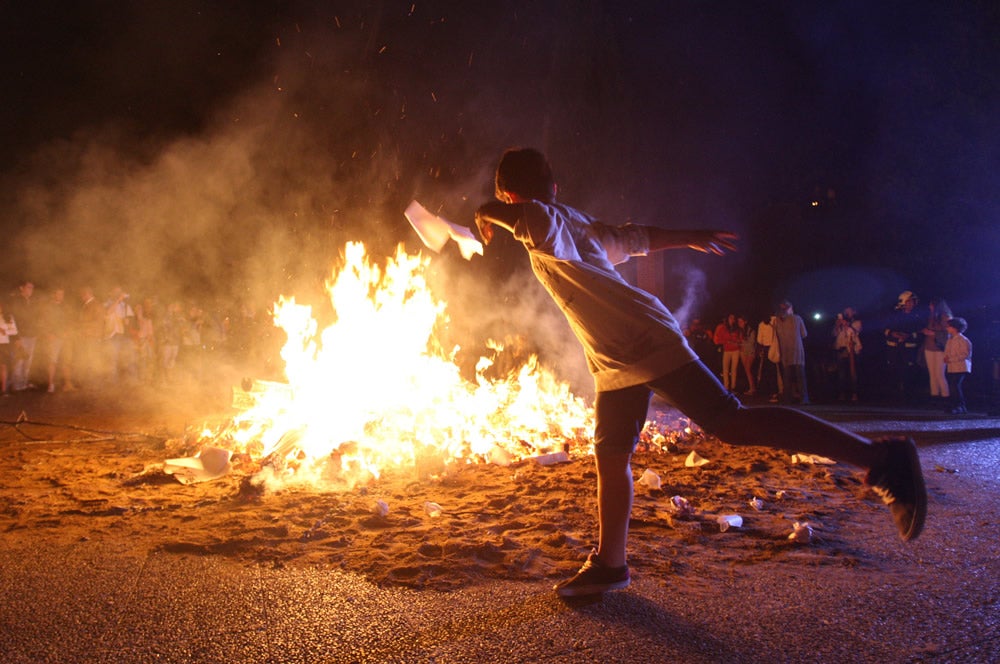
351	115
177	176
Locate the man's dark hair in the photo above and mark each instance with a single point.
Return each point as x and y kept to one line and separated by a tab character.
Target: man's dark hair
959	324
526	172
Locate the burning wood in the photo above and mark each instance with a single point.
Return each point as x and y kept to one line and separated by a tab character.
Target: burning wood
374	390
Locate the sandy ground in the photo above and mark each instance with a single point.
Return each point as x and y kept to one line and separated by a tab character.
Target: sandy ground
83	467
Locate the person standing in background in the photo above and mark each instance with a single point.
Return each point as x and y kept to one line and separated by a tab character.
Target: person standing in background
57	348
789	331
145	340
700	340
24	309
727	337
748	352
169	336
902	341
958	359
847	344
119	333
770	358
89	355
935	337
8	330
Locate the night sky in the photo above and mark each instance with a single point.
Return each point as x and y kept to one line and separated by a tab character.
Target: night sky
232	148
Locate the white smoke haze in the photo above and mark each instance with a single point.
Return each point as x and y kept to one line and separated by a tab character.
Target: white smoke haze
260	205
346	111
691	282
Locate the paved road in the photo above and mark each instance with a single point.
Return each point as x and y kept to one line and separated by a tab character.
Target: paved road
99	603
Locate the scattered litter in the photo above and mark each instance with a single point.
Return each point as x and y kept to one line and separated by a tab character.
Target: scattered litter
381	508
756	503
780	494
650	479
813	459
211	463
942	469
727	521
801	532
432	509
693	460
553	458
681	505
316	528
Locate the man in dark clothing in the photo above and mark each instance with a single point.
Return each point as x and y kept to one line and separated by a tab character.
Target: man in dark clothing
23	308
903	338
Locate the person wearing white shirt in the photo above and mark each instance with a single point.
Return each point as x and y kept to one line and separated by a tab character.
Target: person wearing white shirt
958	361
634	347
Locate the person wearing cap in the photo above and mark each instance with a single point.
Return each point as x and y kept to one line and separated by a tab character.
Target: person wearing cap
634	348
903	339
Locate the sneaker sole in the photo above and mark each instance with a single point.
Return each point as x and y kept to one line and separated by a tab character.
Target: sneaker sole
920	494
593	589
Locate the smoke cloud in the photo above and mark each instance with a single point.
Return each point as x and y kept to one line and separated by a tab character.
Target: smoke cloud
185	152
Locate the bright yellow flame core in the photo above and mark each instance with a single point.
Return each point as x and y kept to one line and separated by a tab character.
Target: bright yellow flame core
374	391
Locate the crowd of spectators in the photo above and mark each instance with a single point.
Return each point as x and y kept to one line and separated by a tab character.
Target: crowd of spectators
902	359
60	340
56	340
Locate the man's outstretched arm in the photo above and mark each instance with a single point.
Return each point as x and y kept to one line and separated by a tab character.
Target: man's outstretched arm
706	241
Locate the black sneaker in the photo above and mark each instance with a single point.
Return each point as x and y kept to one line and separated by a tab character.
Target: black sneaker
899	481
593	578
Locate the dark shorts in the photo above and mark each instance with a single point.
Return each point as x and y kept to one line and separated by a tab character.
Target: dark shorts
692	389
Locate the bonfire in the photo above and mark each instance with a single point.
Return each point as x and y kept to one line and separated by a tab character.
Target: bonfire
376	390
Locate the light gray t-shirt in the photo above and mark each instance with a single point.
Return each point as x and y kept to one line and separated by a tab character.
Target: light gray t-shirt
629	337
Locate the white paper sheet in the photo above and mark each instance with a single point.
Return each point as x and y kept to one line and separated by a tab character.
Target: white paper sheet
434	231
211	463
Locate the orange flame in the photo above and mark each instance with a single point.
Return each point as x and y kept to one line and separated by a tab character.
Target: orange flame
374	390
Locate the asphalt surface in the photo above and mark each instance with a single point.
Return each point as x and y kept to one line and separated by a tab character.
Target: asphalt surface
93	602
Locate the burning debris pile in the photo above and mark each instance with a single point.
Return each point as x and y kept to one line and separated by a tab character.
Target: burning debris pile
376	390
